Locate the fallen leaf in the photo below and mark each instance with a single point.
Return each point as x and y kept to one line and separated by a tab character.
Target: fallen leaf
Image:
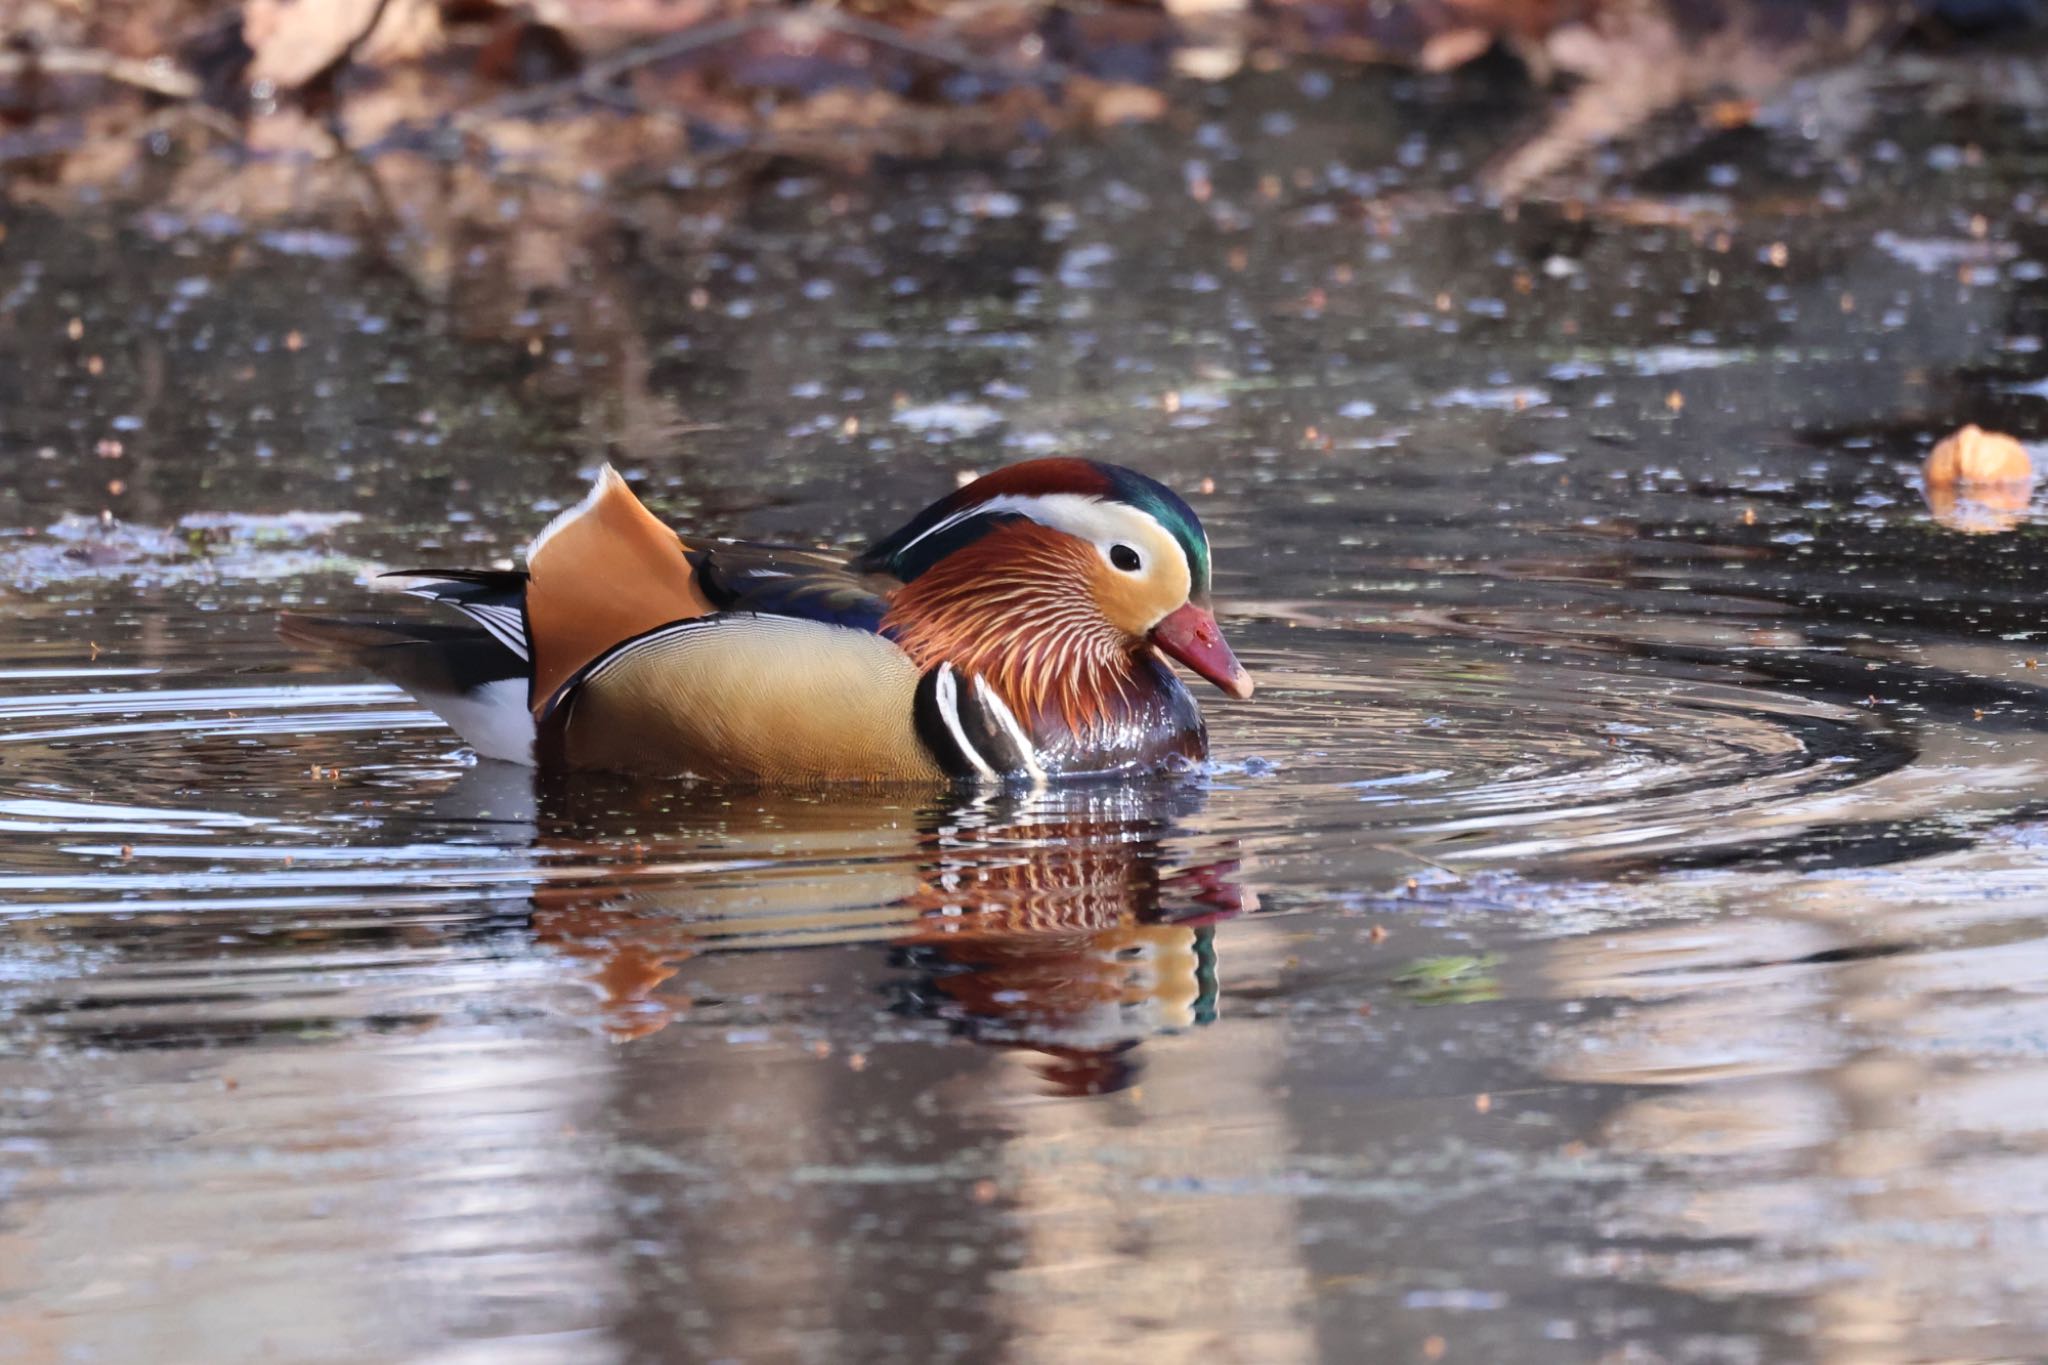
1976	456
1111	103
1448	51
1979	482
295	40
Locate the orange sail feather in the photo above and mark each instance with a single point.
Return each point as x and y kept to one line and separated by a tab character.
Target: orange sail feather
602	572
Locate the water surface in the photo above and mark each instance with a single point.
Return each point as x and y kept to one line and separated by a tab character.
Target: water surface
1612	933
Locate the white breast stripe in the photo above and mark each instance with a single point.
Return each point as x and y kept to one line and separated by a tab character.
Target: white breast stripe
620	652
998	708
947	691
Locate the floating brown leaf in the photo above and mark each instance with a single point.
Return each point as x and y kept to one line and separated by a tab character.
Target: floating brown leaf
1976	456
1979	482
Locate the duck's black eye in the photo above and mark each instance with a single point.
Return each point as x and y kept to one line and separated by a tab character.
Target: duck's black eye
1125	558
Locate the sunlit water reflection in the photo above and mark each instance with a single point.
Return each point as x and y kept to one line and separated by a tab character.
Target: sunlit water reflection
1610	934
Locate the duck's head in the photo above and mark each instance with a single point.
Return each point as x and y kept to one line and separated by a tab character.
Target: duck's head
1089	556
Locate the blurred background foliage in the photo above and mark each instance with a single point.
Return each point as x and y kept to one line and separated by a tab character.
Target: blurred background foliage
592	91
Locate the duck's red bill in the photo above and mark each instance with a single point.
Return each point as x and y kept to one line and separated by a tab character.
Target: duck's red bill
1192	636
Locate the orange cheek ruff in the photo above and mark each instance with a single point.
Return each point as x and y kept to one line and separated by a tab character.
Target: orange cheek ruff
1128	603
1019	608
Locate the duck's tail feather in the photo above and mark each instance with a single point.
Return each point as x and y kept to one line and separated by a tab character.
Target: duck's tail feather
493	598
467	677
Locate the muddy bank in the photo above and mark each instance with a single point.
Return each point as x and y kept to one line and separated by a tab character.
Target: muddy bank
582	92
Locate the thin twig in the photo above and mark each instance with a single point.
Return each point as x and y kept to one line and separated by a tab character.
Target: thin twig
594	78
1424	859
600	74
938	50
157	76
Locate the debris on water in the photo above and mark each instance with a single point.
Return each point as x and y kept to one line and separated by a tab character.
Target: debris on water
949	419
1976	456
1450	979
1506	398
1979	482
1943	255
100	541
244	546
272	528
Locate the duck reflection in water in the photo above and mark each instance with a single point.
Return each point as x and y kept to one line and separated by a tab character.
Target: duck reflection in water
1054	921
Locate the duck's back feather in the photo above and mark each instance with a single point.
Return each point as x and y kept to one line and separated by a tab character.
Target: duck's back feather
780	580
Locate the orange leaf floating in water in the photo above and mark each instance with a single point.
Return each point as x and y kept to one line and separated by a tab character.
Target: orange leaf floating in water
1974	455
1979	482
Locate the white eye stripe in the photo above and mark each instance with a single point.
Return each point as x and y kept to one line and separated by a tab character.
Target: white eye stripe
1102	523
1057	510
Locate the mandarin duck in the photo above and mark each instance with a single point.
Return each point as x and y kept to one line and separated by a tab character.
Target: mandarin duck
1015	630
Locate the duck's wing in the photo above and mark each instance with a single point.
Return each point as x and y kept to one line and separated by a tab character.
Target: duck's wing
493	598
786	580
604	571
733	575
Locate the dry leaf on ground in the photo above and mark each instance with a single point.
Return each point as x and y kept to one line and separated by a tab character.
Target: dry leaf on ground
294	40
